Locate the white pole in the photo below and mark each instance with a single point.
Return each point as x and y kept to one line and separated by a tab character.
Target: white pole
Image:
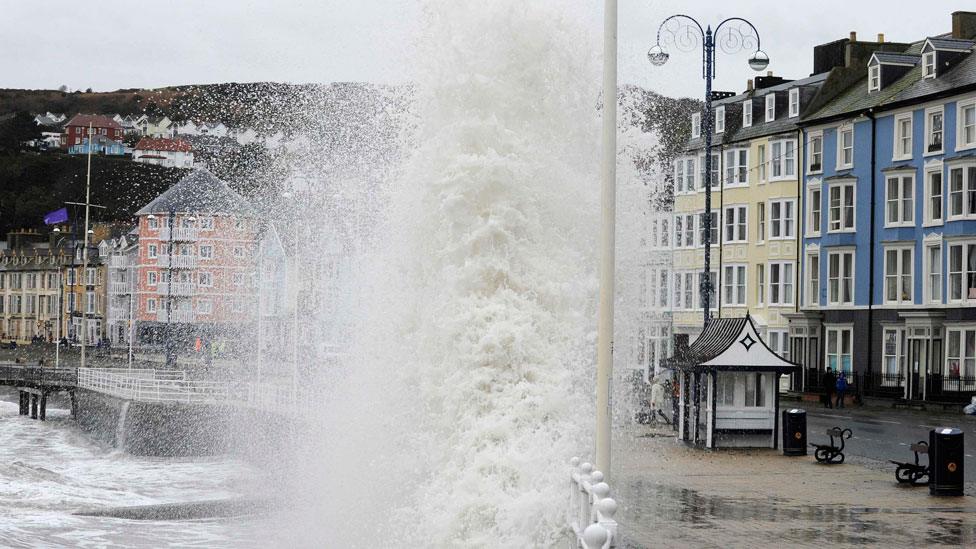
57	338
84	250
608	198
132	298
294	337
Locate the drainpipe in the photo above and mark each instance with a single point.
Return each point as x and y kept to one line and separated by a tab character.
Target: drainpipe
801	215
870	114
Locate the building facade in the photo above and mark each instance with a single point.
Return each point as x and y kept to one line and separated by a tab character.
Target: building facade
76	129
172	153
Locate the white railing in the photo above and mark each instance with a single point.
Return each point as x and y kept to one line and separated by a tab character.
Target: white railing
181	234
118	287
150	386
179	288
176	315
119	313
591	509
118	262
285	399
179	261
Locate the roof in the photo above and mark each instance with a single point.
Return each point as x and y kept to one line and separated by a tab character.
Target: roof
897	58
943	43
96	120
731	344
162	144
200	192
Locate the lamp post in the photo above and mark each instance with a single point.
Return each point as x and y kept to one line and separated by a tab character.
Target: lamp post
169	346
739	34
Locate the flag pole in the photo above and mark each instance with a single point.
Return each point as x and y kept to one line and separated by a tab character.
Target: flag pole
84	251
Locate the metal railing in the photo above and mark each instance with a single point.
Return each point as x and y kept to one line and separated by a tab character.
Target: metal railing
180	234
152	386
118	262
118	313
34	374
118	288
179	288
591	509
950	388
177	315
179	261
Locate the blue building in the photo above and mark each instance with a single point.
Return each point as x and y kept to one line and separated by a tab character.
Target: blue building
888	259
103	145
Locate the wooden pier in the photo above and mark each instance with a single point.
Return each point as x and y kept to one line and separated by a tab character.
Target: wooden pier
35	383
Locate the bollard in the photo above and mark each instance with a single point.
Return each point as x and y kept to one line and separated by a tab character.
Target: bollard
946	459
794	432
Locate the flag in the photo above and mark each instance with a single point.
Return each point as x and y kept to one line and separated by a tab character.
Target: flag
57	216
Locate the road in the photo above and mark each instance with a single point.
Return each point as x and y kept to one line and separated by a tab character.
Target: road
884	433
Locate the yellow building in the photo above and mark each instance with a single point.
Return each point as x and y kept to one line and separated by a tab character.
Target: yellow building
757	158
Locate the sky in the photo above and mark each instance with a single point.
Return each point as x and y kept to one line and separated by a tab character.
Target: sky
155	44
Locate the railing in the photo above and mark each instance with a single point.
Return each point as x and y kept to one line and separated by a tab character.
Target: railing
950	388
118	262
278	398
118	288
176	315
180	234
36	374
179	288
591	509
149	386
179	261
884	384
118	313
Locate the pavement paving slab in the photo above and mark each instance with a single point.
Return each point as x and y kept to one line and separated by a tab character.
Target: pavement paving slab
672	495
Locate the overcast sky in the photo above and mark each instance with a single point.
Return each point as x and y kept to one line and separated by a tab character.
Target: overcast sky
153	44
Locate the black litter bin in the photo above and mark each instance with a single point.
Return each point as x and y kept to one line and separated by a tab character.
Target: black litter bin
946	456
794	432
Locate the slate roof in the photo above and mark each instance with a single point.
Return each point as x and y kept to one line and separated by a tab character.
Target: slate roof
200	192
911	87
942	43
898	58
96	120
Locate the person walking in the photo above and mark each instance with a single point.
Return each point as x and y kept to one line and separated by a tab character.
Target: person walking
829	381
841	389
657	403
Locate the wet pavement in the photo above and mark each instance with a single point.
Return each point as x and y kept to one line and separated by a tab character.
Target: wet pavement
675	496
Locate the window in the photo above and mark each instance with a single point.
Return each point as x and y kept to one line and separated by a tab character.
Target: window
734	285
735	224
903	137
90	302
962	272
206	279
760	284
933	130
840	277
784	159
770	107
892	364
152	251
845	148
713	229
719	119
933	273
761	215
689	174
737	167
679	176
933	198
813	279
713	285
966	125
960	353
725	388
684	226
781	283
928	64
841	207
713	171
962	191
747	113
813	211
151	305
898	275
238	279
90	276
762	163
204	306
781	223
696	125
153	223
794	102
206	223
665	236
815	151
238	251
839	349
874	78
779	342
206	251
900	201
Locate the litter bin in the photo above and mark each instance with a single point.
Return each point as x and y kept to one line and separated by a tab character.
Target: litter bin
946	456
794	432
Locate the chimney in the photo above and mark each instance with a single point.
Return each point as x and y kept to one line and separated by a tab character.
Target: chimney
769	73
881	38
964	25
749	87
853	36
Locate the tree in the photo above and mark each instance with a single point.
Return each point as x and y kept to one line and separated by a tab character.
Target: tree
16	130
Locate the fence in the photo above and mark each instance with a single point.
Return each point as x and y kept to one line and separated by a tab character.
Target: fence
152	386
950	388
591	509
36	375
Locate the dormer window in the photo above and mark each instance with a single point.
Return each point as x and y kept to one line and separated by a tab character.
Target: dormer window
719	119
928	65
770	107
794	102
695	125
874	78
747	113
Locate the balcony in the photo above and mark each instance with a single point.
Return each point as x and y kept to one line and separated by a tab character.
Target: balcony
117	288
177	315
179	261
118	313
180	234
118	262
177	288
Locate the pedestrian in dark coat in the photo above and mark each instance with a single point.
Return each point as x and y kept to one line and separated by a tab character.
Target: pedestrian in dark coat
830	382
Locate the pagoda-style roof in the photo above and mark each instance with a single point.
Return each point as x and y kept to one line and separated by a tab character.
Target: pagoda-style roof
200	192
730	344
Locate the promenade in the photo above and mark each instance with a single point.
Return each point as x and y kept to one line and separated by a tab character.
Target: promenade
675	496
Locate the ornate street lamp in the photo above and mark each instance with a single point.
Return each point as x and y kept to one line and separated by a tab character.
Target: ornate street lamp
731	35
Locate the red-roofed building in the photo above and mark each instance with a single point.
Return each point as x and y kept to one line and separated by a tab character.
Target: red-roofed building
76	130
172	153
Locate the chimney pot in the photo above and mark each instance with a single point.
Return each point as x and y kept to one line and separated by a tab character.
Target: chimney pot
749	85
881	38
769	73
853	36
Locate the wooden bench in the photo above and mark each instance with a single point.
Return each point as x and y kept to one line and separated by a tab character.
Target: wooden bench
832	453
913	473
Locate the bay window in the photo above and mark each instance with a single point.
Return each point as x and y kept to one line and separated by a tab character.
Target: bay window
962	271
713	229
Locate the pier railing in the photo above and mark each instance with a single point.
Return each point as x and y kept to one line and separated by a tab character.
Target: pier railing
11	373
591	509
152	386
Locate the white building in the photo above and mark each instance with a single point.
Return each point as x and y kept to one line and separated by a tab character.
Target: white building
171	153
120	256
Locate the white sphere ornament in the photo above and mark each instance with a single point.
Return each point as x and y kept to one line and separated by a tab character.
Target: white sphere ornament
657	55
759	60
595	536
